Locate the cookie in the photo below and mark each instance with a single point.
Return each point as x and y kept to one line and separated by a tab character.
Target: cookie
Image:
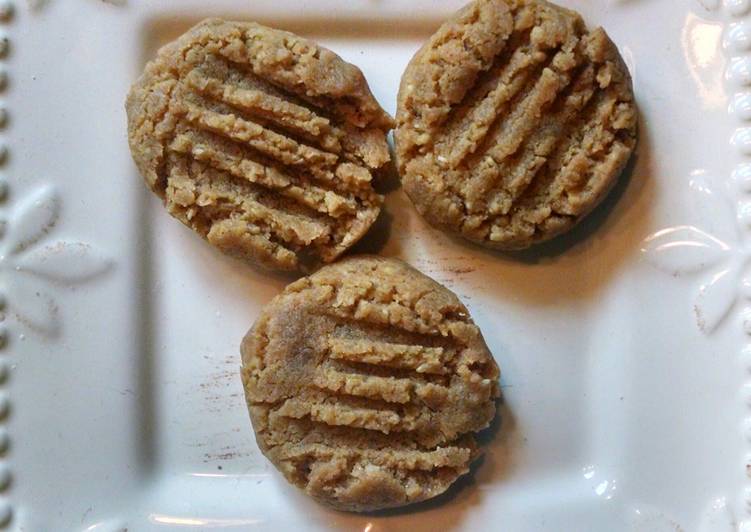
365	383
261	141
513	122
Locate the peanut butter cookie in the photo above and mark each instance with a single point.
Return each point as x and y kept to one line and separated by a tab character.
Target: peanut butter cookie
261	141
513	122
366	382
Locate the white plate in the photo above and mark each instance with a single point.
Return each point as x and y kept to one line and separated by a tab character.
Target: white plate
624	347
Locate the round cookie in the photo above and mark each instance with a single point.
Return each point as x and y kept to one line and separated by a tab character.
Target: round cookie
513	122
365	383
261	141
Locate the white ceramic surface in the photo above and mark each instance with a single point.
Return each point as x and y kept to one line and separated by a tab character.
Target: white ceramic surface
625	347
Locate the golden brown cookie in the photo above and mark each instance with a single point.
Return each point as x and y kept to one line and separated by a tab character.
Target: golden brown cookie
261	141
513	122
366	382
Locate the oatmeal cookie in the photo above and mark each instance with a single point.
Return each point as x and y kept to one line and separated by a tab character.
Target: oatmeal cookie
261	141
513	122
366	383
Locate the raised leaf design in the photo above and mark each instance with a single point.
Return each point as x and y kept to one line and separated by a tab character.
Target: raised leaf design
28	265
32	218
648	518
37	6
717	517
683	249
715	210
65	262
32	306
716	298
111	525
710	5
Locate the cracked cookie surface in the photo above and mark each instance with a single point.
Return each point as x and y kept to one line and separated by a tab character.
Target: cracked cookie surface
261	141
366	382
513	122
